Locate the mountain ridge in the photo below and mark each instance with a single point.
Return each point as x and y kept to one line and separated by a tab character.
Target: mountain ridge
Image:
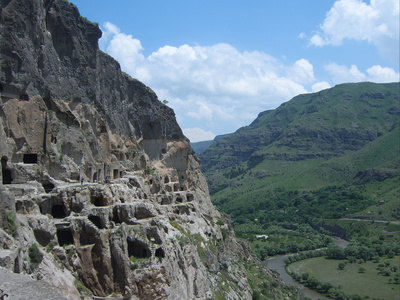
341	136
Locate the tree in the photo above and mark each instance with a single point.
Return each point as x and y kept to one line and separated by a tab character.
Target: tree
335	252
341	265
361	270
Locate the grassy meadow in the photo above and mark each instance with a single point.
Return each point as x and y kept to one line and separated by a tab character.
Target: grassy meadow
364	283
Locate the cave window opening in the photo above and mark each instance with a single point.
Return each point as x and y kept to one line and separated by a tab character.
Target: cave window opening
189	197
96	221
99	201
30	158
160	253
42	237
182	188
176	187
166	179
48	187
87	238
24	97
64	237
103	129
116	219
138	249
6	173
179	200
58	211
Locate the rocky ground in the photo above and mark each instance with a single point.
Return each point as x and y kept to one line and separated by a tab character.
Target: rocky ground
22	287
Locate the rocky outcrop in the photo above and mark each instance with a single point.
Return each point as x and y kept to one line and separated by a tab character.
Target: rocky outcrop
97	172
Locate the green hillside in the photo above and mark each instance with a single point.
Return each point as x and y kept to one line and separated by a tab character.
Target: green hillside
324	155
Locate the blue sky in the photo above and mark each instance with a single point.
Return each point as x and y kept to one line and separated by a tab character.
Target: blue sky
220	63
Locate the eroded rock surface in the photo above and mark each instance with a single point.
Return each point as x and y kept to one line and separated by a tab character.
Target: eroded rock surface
97	172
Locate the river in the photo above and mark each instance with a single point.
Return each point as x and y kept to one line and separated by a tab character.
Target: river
278	263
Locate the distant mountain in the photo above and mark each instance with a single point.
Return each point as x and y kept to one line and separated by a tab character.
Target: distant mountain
199	147
346	136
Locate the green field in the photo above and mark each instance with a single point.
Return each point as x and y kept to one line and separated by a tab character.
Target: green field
350	279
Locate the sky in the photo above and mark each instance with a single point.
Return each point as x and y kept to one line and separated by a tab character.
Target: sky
220	63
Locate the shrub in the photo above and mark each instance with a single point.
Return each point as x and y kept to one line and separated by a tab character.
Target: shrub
35	255
12	225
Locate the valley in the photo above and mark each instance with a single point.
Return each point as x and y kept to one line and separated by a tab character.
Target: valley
321	165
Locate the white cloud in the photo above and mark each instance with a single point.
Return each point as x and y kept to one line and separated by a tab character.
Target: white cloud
198	134
216	87
376	22
302	72
342	74
379	74
376	73
319	86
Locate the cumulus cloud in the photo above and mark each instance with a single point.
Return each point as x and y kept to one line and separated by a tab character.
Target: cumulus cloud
380	74
198	134
376	22
341	73
216	88
319	86
302	71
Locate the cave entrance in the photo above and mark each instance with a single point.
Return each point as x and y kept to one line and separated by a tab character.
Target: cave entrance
94	177
160	253
6	173
48	187
116	219
42	237
115	173
30	158
58	211
64	236
96	221
99	201
138	249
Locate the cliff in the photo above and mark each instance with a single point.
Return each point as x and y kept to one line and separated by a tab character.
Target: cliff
97	173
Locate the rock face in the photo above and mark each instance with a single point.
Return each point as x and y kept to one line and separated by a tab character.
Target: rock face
141	224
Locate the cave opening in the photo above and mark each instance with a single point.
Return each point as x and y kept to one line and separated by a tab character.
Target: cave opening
58	211
6	173
48	187
160	253
96	221
190	197
87	236
99	201
115	173
42	237
143	213
116	219
138	249
30	158
64	237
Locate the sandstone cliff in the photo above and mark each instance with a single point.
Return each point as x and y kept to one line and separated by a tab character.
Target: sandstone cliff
97	173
